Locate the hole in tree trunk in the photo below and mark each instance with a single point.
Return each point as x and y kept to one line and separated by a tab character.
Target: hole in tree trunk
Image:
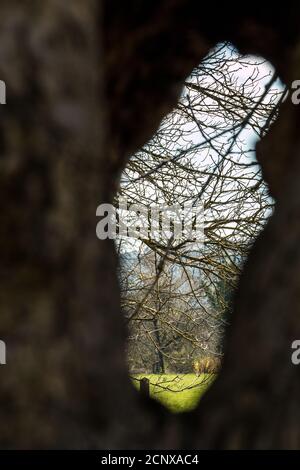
191	203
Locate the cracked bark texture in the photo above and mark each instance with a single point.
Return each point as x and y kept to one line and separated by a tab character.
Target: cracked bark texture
87	84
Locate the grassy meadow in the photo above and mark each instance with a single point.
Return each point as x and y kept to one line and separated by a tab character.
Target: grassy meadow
178	392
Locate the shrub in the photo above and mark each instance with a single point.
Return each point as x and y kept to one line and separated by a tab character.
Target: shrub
206	365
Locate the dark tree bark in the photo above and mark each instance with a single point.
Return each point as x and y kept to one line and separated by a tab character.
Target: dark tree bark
87	84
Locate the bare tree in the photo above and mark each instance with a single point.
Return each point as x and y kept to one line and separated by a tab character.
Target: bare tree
86	88
200	155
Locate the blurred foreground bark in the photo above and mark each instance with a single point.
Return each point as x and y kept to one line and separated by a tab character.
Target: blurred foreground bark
87	85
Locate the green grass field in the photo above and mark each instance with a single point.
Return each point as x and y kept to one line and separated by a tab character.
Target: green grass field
178	392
